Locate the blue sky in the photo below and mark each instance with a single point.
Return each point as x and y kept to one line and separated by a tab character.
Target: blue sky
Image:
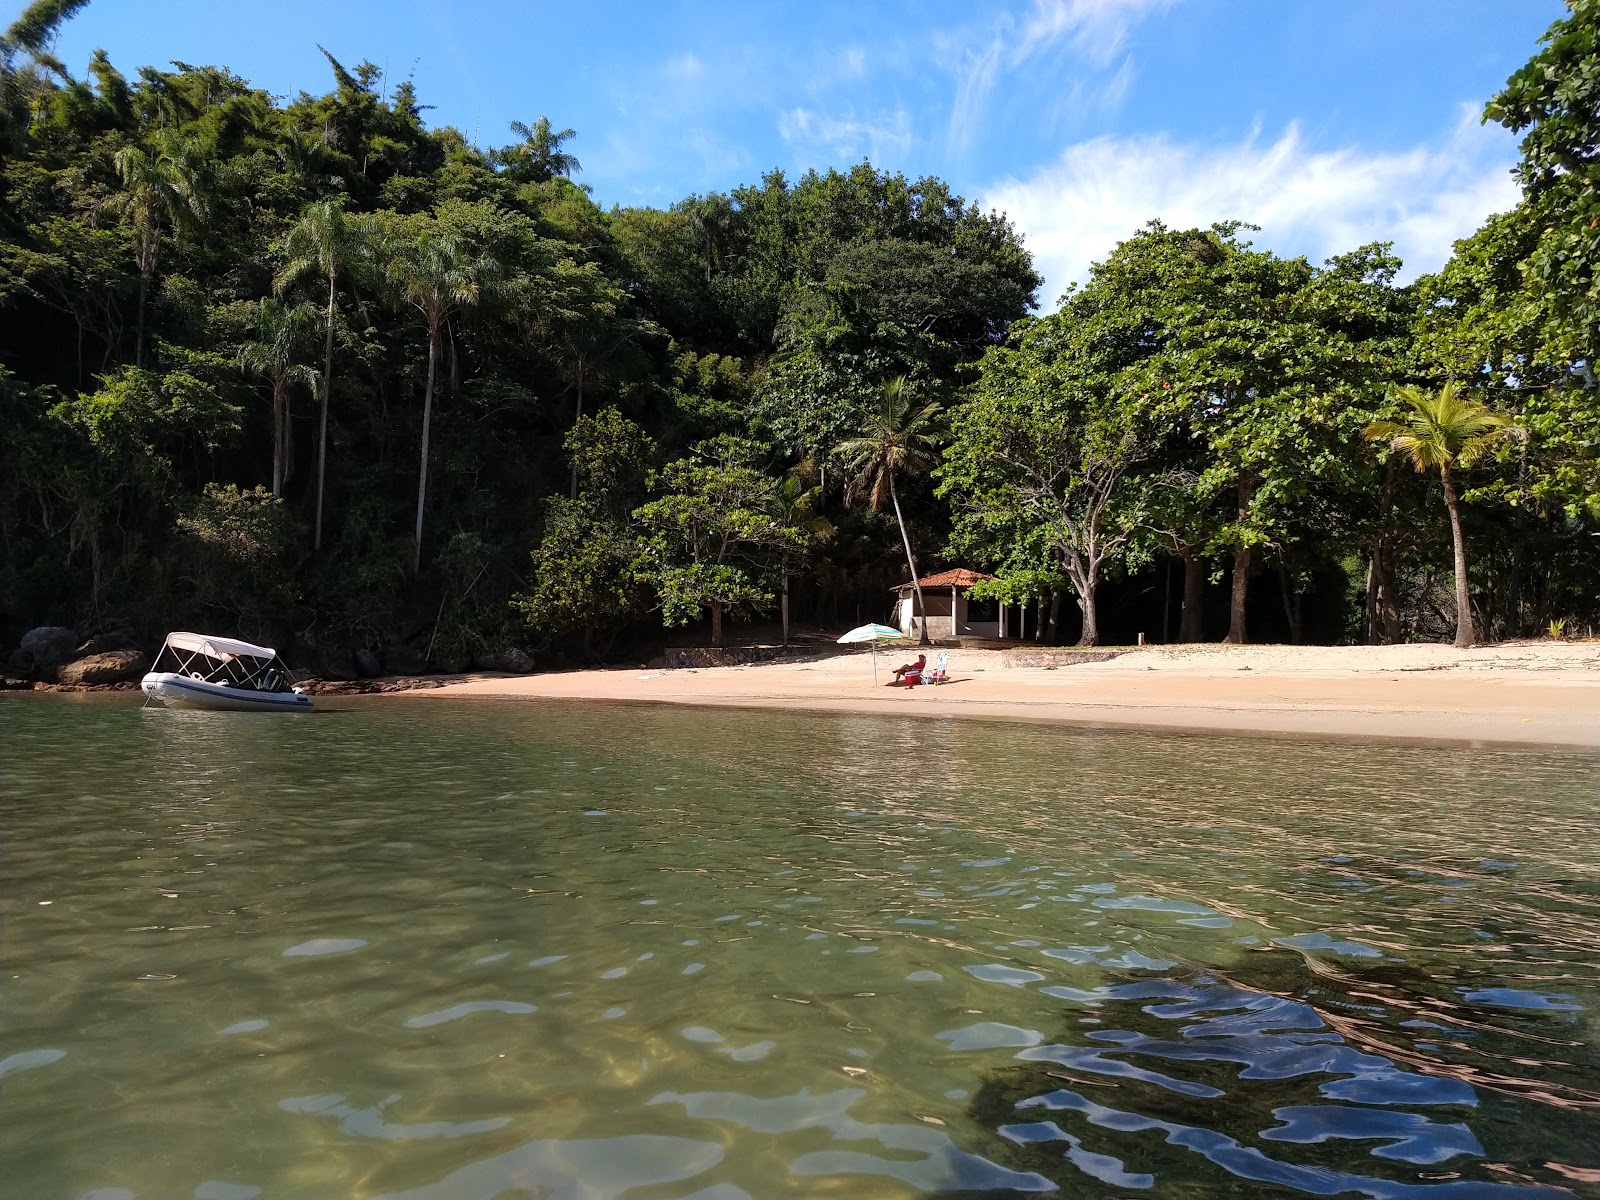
1327	122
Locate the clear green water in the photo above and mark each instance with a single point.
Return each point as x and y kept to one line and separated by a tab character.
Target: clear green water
481	950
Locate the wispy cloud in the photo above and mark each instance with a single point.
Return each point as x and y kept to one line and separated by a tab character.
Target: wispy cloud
1096	29
884	138
1311	202
1091	33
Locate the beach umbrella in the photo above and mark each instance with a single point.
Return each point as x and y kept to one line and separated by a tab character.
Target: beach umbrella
872	634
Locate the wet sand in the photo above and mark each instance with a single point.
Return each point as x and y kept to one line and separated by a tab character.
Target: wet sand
1533	694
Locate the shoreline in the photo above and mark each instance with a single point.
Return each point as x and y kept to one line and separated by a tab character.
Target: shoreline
1530	695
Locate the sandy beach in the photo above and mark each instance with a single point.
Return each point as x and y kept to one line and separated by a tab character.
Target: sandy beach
1537	694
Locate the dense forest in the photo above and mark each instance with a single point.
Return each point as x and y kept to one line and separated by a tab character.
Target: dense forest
309	370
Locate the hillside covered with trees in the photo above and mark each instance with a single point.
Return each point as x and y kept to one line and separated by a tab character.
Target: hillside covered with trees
315	372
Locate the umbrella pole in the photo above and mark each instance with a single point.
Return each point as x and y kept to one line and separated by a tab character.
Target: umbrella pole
874	662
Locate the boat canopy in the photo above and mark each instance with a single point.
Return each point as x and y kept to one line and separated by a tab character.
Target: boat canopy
218	647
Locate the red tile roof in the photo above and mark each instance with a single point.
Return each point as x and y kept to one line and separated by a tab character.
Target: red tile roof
960	577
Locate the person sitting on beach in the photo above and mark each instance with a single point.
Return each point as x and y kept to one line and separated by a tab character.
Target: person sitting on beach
909	675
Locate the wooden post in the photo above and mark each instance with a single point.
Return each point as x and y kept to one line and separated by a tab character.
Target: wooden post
1002	618
955	623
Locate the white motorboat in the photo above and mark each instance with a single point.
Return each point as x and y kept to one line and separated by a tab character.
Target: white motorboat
197	670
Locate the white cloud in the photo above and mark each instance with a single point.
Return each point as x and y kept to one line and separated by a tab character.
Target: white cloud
1091	32
1316	203
887	137
1096	28
685	68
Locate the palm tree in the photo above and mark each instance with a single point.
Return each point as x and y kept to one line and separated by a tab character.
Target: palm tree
157	189
325	243
895	438
1447	431
539	156
791	506
438	274
281	334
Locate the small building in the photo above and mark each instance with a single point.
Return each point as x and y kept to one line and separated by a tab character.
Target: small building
948	613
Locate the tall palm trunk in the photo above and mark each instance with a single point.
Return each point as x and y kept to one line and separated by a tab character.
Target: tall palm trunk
427	421
785	599
716	622
280	399
138	344
1465	634
322	417
911	562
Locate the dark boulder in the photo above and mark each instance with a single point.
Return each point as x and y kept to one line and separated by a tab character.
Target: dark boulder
367	664
339	662
43	651
511	661
404	660
451	664
114	666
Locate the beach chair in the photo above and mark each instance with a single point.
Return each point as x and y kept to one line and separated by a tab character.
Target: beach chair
940	672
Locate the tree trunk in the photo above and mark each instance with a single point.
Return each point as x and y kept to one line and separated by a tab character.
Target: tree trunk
427	421
1383	609
1191	624
1088	596
911	562
786	602
280	395
1238	633
138	343
1055	617
716	622
322	417
1292	607
1465	634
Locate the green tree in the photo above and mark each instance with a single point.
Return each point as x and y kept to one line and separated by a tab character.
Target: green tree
897	439
157	190
1555	98
710	533
438	274
1036	456
324	242
538	157
282	334
1447	432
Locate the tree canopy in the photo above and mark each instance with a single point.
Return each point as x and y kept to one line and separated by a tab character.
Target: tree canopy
316	370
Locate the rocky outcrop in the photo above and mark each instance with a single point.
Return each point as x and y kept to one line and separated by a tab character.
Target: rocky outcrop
730	656
44	650
339	662
367	664
114	666
367	687
1056	656
511	661
404	660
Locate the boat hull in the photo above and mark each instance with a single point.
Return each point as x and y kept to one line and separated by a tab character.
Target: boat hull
172	690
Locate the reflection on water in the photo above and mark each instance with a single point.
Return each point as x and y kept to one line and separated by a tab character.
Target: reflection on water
473	951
